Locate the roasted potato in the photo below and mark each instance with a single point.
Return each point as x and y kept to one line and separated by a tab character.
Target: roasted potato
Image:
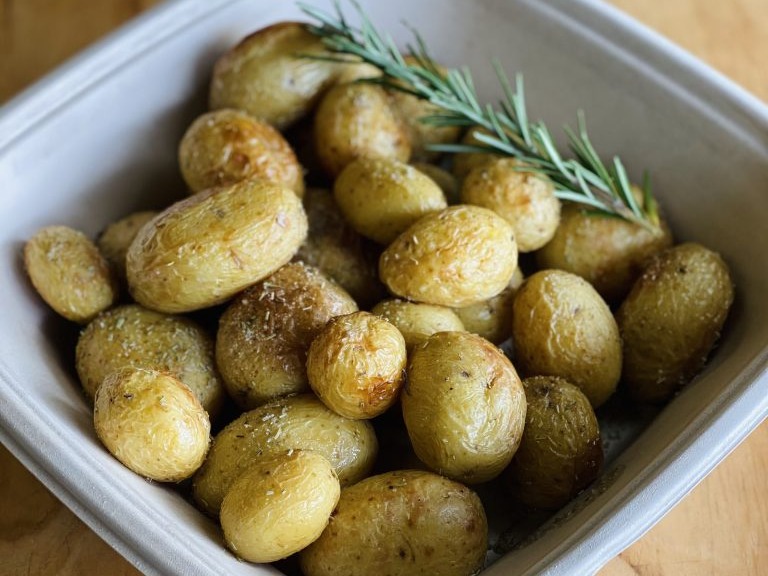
465	162
296	422
114	241
447	181
457	257
202	250
264	334
152	423
417	322
562	327
356	365
403	523
672	318
464	406
69	273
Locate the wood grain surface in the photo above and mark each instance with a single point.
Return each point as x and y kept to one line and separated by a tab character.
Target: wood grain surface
721	528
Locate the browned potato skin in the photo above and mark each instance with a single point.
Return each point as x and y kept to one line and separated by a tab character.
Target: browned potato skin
69	273
403	523
562	327
133	336
152	423
356	120
113	243
227	146
356	365
296	422
279	506
203	250
465	162
381	197
457	257
447	181
524	199
561	452
464	406
607	252
492	318
672	318
417	322
264	334
264	76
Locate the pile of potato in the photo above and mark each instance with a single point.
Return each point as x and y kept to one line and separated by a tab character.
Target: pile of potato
362	286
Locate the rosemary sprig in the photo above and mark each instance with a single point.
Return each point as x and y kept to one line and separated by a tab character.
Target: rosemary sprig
584	178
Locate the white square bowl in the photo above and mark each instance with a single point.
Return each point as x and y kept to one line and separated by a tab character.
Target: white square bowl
98	139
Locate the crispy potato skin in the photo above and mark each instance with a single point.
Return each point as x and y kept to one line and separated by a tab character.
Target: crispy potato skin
202	250
264	76
607	252
562	327
561	452
380	197
264	334
296	422
133	336
279	506
69	273
152	423
356	365
672	318
464	406
456	257
226	146
492	318
417	322
403	523
114	241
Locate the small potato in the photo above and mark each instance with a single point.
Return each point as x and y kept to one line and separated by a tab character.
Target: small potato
561	452
464	406
465	162
492	318
356	120
264	334
203	250
131	336
113	243
356	365
279	506
266	75
607	252
69	273
672	318
380	197
447	181
405	523
296	422
457	257
152	423
562	327
417	322
524	199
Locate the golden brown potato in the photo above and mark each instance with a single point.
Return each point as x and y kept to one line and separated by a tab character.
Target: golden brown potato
524	199
403	523
265	75
672	318
264	334
279	506
336	249
131	336
457	257
561	452
607	252
152	423
69	273
465	162
417	322
296	422
382	197
352	71
227	146
356	120
464	406
202	250
562	327
113	243
356	365
447	181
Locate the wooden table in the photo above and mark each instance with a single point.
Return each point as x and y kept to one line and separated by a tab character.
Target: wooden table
721	528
